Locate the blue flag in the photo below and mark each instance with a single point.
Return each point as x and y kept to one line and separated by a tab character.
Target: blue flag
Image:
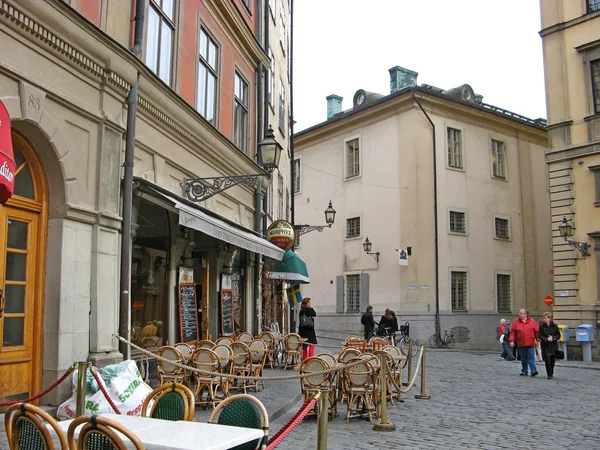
294	295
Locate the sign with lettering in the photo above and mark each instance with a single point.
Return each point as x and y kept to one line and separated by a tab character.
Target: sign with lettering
188	313
282	234
7	160
227	323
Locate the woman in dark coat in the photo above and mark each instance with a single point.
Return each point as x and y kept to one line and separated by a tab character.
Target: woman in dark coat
308	347
549	335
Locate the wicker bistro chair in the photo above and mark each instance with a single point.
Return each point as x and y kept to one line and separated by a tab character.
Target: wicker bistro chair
267	337
400	361
378	344
348	353
172	401
167	371
292	348
225	340
392	388
205	344
100	433
243	410
241	364
312	384
360	388
208	361
258	355
352	338
25	428
329	358
358	344
244	337
185	349
224	353
278	346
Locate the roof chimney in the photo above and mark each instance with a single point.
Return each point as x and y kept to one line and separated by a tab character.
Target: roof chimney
334	105
401	78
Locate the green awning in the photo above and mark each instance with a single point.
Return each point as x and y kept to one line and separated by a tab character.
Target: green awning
291	268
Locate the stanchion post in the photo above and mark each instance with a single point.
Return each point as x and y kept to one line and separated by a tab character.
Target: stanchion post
408	365
383	424
81	387
423	395
322	426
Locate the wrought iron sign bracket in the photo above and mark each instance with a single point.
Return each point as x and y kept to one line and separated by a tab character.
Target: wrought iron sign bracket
303	229
200	189
583	247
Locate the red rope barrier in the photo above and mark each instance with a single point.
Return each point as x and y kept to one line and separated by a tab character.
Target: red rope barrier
35	397
292	423
103	389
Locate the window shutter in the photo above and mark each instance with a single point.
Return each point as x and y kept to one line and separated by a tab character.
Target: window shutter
364	291
339	294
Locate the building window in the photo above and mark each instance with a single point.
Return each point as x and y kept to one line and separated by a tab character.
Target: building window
271	78
593	6
272	8
503	292
352	293
498	159
458	222
282	114
458	290
240	114
159	38
296	175
501	228
207	77
247	3
455	157
269	195
353	227
596	171
352	158
280	196
282	34
595	66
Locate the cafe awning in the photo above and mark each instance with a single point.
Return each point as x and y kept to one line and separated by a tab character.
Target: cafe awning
7	159
198	218
291	268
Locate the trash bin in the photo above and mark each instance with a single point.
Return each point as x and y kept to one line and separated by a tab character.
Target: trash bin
585	335
564	339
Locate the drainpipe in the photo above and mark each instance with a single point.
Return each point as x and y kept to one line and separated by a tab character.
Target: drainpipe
291	142
126	241
435	219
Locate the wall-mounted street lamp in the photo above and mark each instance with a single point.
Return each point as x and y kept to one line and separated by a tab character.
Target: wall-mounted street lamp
269	152
329	219
367	248
566	231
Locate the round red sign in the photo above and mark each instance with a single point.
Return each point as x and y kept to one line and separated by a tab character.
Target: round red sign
548	300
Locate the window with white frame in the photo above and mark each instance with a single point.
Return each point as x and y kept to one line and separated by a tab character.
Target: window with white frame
271	79
206	103
352	158
280	197
455	155
282	33
282	114
159	38
458	222
498	159
593	6
353	227
352	293
240	114
503	292
272	5
458	290
595	68
297	175
501	228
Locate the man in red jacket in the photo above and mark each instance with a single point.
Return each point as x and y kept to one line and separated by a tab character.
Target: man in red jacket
525	331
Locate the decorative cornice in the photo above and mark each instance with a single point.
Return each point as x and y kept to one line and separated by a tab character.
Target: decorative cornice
570	23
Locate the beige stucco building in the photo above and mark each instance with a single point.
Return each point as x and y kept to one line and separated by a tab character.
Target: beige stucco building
487	193
571	40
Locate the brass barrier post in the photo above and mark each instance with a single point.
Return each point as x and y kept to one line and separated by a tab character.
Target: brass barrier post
81	387
408	364
423	395
383	424
322	426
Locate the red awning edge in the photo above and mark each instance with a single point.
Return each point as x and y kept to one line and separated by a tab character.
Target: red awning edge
7	158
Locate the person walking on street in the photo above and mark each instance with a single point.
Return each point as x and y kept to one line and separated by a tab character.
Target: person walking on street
307	328
549	336
525	330
500	332
504	331
368	322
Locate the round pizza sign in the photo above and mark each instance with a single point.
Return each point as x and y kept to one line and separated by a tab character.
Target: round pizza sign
281	233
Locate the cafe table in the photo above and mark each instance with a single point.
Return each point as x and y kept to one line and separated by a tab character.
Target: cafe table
158	434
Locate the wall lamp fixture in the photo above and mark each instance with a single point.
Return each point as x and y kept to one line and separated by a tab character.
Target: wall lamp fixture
566	231
367	245
329	219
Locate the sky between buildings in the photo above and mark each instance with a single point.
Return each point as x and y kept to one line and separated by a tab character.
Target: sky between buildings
341	46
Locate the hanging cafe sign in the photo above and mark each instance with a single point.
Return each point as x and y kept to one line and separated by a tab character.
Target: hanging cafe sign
281	234
7	160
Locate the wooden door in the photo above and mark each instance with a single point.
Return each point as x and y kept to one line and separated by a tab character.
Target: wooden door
23	222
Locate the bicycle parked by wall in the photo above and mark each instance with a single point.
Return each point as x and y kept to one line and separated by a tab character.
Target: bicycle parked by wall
436	340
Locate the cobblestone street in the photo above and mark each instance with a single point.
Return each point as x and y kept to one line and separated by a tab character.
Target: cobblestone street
477	402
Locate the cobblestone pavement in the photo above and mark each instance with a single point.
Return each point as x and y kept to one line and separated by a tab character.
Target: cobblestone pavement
477	402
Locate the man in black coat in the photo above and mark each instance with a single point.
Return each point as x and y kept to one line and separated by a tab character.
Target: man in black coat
368	322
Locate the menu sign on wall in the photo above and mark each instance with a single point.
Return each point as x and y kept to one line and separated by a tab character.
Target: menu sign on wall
227	323
188	312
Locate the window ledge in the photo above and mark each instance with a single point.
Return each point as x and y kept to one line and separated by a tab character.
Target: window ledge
498	238
596	204
457	169
462	311
592	117
458	233
495	177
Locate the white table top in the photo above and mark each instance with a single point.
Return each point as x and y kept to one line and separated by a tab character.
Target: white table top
158	434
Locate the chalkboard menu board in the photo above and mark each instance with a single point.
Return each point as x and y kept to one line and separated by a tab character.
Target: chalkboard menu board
188	312
227	324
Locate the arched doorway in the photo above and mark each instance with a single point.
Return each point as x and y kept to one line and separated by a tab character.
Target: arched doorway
23	228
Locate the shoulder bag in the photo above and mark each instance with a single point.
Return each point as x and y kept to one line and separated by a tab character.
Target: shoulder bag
306	322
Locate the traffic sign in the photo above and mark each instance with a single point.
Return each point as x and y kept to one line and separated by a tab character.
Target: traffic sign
548	300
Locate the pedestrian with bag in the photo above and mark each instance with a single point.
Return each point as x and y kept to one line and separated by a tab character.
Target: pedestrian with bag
306	328
368	322
525	330
504	332
549	337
